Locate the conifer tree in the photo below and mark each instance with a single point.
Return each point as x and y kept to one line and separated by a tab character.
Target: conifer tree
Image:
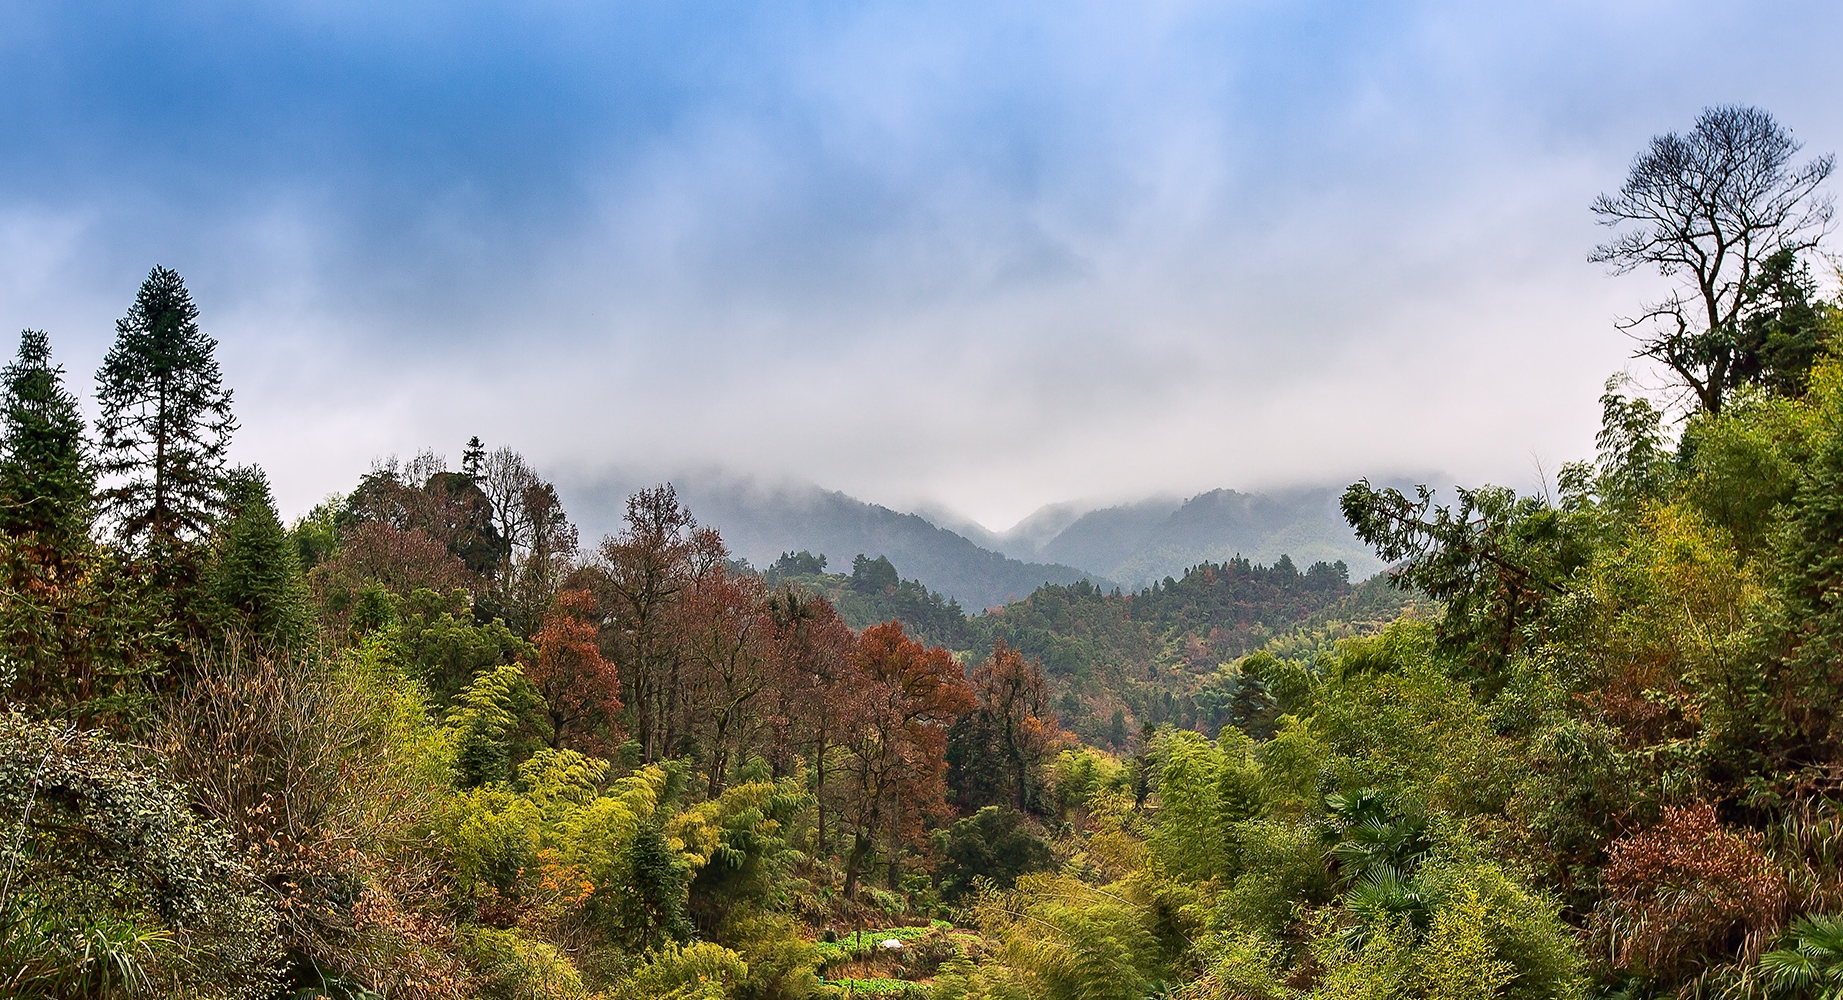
256	584
471	458
166	419
46	480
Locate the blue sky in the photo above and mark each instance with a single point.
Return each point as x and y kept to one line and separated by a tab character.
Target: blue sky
983	255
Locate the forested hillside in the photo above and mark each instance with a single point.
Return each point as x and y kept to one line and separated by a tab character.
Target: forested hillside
1145	657
1141	542
428	742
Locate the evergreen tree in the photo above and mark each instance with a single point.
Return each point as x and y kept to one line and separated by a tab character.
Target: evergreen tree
471	458
166	420
46	481
56	623
256	584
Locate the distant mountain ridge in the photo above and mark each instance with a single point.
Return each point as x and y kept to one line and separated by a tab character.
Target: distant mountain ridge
1129	545
759	521
1147	540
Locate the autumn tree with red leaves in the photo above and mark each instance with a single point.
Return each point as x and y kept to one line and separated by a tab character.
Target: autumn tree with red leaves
891	746
581	689
1014	708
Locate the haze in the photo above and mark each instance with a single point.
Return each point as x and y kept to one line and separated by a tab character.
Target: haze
980	256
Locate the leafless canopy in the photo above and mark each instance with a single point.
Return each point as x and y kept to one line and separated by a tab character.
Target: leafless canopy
1708	208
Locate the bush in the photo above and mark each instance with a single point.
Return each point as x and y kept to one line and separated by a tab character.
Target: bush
336	768
992	844
112	884
700	971
511	966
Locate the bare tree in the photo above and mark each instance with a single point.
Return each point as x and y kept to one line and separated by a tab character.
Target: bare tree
505	477
1709	209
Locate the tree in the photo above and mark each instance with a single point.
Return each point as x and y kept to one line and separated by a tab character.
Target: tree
256	583
1496	561
581	688
873	576
1711	208
1011	693
992	843
543	557
816	646
904	696
166	421
471	458
1784	332
646	568
725	631
58	622
46	481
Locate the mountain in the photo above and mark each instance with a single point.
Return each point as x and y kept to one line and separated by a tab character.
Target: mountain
1131	544
1138	543
760	520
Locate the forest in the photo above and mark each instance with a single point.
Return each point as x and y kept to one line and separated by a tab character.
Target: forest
427	742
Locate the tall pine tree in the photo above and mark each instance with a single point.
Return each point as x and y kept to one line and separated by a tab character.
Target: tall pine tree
52	623
46	480
256	585
166	420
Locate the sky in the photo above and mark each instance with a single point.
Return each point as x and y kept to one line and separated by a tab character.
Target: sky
984	256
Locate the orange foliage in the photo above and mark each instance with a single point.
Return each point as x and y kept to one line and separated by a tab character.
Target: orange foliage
581	688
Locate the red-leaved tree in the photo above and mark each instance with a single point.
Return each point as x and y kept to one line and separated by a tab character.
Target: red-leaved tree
581	689
893	740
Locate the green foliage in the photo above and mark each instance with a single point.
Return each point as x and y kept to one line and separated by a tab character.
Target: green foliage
316	533
1810	962
1071	942
872	576
255	580
165	424
743	843
992	844
46	479
112	884
497	721
1495	561
801	563
444	647
511	966
700	971
780	965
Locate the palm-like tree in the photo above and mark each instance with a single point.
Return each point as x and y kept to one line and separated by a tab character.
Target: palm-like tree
1810	964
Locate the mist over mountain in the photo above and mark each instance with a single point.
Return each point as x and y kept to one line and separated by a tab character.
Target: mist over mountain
760	520
1138	543
1129	545
1147	540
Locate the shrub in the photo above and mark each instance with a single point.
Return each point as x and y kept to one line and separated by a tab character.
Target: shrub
992	844
511	966
112	885
700	971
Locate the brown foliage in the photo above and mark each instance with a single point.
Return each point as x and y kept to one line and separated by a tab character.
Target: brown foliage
317	777
581	689
894	740
643	571
1015	699
725	637
1687	893
401	559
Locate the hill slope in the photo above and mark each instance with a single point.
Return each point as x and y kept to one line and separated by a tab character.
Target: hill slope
1142	542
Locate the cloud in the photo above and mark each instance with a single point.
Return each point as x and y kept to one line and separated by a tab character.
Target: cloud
985	256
